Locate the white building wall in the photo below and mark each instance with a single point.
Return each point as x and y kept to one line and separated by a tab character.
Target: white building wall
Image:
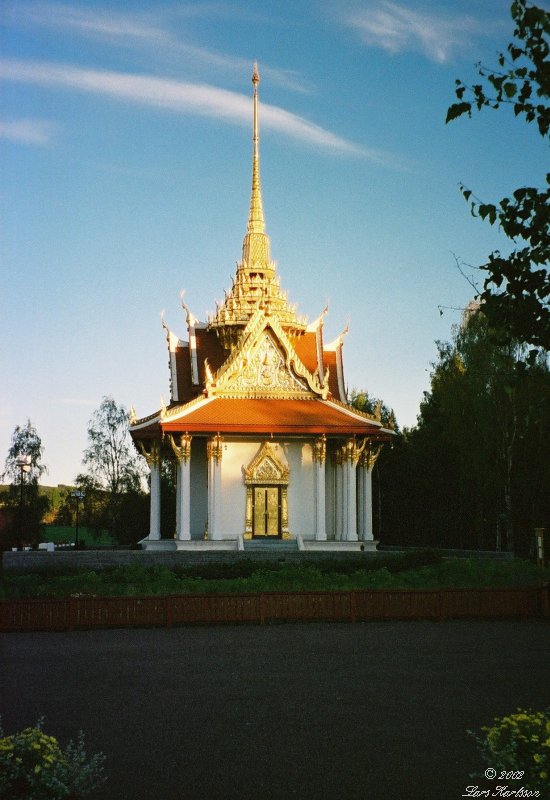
301	517
236	456
239	454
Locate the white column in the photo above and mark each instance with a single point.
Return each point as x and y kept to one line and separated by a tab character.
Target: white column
154	527
182	452
319	519
338	495
214	452
153	458
349	532
364	499
329	499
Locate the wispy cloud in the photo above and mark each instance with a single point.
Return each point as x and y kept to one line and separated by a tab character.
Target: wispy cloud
90	23
397	28
149	30
182	97
28	131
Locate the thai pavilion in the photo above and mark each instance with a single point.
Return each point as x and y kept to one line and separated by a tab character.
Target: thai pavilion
265	443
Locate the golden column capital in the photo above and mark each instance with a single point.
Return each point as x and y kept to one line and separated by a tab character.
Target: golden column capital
153	455
182	451
214	448
350	451
370	455
319	449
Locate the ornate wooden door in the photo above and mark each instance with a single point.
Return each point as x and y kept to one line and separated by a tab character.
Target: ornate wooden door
267	511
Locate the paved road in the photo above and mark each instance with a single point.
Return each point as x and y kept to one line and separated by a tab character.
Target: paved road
313	711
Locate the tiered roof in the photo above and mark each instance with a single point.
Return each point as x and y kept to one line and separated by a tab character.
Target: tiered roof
254	366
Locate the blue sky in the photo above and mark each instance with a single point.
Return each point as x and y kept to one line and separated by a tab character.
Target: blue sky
125	141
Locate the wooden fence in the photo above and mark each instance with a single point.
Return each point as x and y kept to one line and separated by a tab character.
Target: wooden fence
77	613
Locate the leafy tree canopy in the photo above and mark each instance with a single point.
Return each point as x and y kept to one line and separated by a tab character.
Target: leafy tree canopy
112	486
482	438
26	505
363	401
516	291
110	457
25	441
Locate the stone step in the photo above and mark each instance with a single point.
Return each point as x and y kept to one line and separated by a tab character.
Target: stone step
271	545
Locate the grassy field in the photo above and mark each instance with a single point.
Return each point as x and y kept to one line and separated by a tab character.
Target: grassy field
397	572
67	533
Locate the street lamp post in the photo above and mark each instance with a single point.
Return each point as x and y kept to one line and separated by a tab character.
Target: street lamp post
23	462
79	495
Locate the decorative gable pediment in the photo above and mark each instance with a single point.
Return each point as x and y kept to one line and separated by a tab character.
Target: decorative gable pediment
266	468
264	363
266	369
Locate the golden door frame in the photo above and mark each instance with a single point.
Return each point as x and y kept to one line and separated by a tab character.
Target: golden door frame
266	512
266	470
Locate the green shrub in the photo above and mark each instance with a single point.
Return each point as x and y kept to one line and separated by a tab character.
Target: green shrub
34	767
238	569
414	570
518	743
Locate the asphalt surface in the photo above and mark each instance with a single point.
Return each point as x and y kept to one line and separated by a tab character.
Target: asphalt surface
312	711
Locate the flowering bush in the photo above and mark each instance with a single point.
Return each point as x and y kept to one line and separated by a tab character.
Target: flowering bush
518	743
34	767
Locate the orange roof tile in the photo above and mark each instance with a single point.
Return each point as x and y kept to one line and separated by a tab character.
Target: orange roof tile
183	373
329	362
306	349
224	415
208	346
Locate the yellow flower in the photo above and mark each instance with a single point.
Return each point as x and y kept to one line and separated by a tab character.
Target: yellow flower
543	775
537	758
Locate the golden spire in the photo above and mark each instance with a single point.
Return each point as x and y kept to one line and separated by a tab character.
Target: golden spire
256	242
256	218
256	285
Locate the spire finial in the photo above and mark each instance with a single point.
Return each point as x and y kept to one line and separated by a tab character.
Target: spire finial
256	217
256	285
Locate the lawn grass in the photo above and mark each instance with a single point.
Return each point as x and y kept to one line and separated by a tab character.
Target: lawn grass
67	534
248	576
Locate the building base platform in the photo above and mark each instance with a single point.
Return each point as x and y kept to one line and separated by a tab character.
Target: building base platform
274	546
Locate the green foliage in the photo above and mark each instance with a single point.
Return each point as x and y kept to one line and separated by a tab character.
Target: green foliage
25	503
34	767
115	500
63	534
28	508
519	743
167	500
374	407
25	442
474	471
415	570
516	292
109	456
